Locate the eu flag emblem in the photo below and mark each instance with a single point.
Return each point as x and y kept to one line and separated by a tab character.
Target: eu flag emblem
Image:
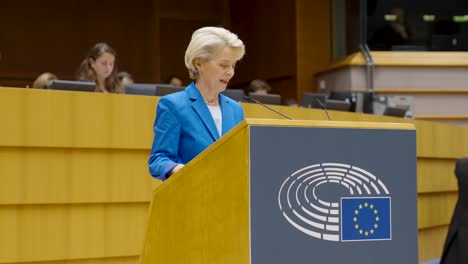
365	218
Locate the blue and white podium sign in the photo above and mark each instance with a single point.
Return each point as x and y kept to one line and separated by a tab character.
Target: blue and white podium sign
333	195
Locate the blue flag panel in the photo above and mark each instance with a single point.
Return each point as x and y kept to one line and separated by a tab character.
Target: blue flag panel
365	218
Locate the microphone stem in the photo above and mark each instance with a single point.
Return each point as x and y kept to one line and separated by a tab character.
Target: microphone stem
266	106
277	112
323	108
326	112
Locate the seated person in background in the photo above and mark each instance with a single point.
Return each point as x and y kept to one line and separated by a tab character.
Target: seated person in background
124	78
44	80
259	87
393	34
174	80
99	67
189	121
291	102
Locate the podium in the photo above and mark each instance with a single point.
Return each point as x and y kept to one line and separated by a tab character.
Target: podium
281	191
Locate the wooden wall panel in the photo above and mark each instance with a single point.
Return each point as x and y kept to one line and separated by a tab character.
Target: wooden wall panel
268	30
436	175
55	36
61	231
436	209
431	242
195	10
176	26
73	175
110	260
67	194
175	37
75	162
193	204
287	41
313	42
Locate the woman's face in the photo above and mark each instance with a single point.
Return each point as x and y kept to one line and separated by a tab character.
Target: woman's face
218	71
103	65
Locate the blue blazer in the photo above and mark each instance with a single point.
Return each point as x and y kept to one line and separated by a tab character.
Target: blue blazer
184	127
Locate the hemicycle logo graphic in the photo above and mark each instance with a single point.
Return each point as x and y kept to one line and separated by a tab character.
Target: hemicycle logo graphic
364	214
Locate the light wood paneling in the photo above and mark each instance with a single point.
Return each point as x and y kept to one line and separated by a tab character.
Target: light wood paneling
74	169
313	42
436	175
58	175
435	209
76	119
207	203
431	242
442	117
111	260
445	59
72	192
418	91
405	59
59	232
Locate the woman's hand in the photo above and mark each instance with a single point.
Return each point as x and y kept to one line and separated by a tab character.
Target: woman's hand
177	168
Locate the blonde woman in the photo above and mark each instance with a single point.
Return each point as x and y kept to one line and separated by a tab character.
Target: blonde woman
44	80
188	122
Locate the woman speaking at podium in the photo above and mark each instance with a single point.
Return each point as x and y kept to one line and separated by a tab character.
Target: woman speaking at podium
188	122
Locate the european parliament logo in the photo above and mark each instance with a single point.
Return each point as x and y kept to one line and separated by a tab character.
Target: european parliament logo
362	212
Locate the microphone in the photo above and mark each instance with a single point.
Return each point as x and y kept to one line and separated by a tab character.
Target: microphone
247	98
323	107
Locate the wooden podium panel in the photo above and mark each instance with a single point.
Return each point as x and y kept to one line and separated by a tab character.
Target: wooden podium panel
222	207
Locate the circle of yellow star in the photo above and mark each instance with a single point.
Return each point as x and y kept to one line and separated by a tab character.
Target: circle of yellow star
372	210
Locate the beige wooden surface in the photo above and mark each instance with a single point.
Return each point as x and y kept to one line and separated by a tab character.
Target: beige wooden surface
209	209
404	58
76	187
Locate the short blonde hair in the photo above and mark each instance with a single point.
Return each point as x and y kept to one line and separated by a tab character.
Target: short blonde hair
44	80
206	41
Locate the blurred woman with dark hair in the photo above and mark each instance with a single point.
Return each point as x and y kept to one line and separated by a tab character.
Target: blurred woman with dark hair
99	66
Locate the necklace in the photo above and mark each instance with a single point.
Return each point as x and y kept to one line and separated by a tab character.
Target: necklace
212	103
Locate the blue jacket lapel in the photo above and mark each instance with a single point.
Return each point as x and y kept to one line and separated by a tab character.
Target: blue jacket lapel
227	114
202	110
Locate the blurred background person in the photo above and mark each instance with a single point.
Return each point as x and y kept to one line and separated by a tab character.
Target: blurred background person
99	67
124	78
43	80
395	33
291	102
456	244
259	87
174	80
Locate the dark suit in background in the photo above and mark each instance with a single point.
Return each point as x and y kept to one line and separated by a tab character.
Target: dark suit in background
456	244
